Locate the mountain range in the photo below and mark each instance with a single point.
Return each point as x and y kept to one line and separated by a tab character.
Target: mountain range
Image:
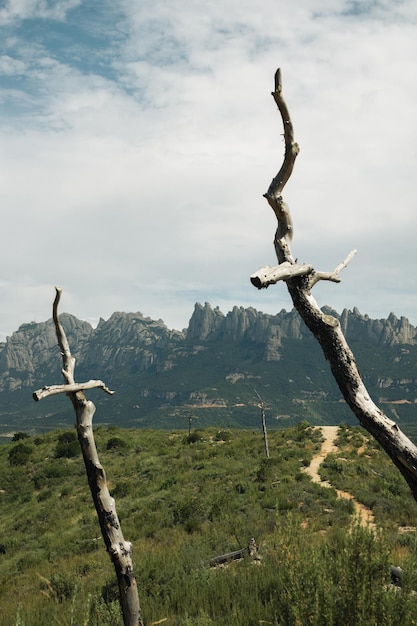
218	371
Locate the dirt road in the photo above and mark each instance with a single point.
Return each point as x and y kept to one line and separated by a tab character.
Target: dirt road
364	514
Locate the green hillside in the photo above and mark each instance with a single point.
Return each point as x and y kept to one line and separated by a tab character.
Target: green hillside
183	501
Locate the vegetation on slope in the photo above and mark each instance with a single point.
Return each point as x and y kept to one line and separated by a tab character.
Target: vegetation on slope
183	501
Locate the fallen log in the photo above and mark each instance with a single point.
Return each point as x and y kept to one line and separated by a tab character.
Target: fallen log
229	556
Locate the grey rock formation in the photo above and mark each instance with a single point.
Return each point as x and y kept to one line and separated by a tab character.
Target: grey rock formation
130	340
33	347
215	364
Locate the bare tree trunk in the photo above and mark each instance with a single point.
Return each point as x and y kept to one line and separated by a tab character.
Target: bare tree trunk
120	551
300	279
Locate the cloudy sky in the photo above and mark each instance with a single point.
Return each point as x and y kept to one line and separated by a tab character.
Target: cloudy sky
137	140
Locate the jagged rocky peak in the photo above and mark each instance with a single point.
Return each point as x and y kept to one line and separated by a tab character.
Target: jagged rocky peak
404	331
388	331
238	321
128	325
130	337
32	347
37	339
204	322
127	321
209	324
133	343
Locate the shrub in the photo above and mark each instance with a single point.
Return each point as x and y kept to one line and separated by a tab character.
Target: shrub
122	489
60	587
44	495
106	614
110	591
116	443
223	435
267	470
20	454
67	446
189	513
194	437
19	436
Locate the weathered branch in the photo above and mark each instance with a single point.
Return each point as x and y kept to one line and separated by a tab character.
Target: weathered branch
326	328
332	276
52	390
67	359
284	232
268	275
120	551
291	147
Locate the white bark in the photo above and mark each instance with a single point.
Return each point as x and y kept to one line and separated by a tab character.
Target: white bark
52	390
267	275
120	551
300	279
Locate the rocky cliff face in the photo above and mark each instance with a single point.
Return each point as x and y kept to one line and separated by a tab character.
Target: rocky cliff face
33	348
31	355
390	331
268	331
130	340
215	364
209	324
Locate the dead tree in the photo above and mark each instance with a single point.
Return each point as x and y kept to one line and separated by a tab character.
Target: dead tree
300	279
120	551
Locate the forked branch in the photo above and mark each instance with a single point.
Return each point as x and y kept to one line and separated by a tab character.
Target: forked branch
300	278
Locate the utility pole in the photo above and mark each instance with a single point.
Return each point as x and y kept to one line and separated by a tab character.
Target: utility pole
261	405
190	419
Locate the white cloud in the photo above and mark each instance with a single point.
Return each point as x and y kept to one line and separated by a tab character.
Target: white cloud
137	183
10	66
39	9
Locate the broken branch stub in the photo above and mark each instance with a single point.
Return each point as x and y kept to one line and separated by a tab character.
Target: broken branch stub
326	328
120	551
267	275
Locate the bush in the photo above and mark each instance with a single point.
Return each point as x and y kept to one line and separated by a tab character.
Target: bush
122	489
194	437
19	436
116	443
267	470
110	591
60	587
20	454
190	513
223	435
67	446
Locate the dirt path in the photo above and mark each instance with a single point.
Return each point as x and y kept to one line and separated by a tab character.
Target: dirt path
365	515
